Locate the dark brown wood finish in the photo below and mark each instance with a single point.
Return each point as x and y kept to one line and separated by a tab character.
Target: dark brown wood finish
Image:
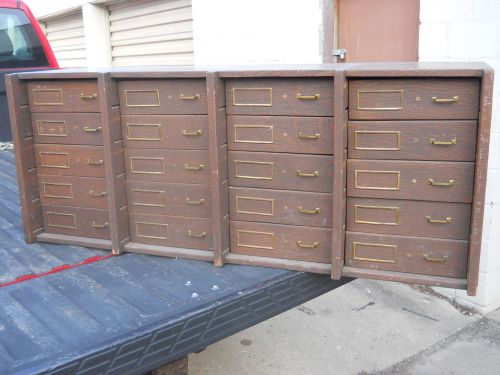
413	140
410	218
218	167
281	241
281	207
413	99
420	180
166	97
425	256
281	171
287	97
481	171
304	135
26	172
64	96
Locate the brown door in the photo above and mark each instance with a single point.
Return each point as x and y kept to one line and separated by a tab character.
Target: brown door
378	30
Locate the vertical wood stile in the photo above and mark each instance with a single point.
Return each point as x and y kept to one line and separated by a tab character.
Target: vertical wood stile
339	172
22	136
481	170
114	162
218	159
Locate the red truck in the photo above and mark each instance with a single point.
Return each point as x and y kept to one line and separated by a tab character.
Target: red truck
23	46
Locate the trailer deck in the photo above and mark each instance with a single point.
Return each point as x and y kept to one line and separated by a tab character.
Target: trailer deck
127	314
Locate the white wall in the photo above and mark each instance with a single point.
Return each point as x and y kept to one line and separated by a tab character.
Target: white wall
469	30
257	31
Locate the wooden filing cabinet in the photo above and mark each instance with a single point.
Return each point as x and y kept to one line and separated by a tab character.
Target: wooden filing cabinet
361	170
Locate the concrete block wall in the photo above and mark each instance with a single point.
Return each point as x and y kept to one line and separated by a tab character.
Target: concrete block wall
469	30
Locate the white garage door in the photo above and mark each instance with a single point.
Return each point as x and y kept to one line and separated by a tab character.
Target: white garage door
151	32
66	37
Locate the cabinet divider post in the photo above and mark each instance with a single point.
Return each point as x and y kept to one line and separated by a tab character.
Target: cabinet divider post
113	162
24	151
481	170
339	172
218	160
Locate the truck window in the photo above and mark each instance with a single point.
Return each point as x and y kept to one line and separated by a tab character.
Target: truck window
20	46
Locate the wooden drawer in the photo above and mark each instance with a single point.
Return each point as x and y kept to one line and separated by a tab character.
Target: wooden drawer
70	160
165	97
189	233
418	180
63	96
87	192
183	166
281	241
303	135
414	99
409	218
73	221
281	207
171	199
281	171
426	256
413	140
275	96
67	128
170	132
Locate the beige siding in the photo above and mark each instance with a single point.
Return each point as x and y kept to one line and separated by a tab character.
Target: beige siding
66	37
151	32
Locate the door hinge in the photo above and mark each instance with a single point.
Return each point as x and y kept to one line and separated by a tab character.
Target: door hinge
340	52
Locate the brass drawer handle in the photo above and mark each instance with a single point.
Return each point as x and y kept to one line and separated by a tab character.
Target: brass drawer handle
201	235
190	134
309	136
95	162
88	97
313	245
429	258
438	221
305	211
93	130
308	97
433	141
305	174
435	99
96	194
95	225
187	97
190	201
434	183
193	167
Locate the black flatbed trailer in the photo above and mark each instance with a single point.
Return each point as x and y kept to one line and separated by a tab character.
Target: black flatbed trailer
126	314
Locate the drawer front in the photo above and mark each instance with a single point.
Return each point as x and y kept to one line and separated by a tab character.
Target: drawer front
304	135
426	256
413	140
169	199
67	128
171	231
65	160
73	191
163	97
274	96
170	132
281	241
281	171
183	166
281	207
418	180
72	221
414	99
409	218
63	96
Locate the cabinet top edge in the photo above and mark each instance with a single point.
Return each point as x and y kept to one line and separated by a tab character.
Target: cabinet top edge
360	70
